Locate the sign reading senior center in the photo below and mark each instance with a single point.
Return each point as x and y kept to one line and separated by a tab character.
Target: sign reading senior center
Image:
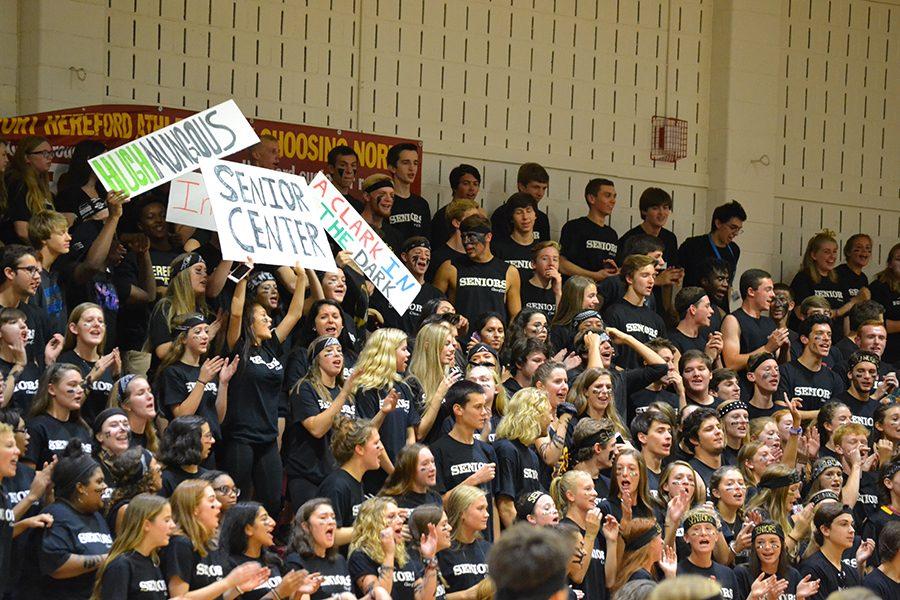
267	215
165	154
352	233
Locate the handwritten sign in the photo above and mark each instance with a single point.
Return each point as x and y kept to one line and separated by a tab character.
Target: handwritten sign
189	203
267	215
352	233
165	154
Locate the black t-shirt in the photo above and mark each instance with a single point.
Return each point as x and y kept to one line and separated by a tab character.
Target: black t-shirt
694	251
135	577
860	412
754	412
404	580
464	565
722	575
501	224
587	245
515	255
594	583
50	435
441	253
274	580
640	401
72	533
177	381
881	584
455	461
26	385
7	520
98	396
257	387
517	469
883	295
745	580
410	216
535	298
705	471
481	288
38	333
803	287
172	477
849	282
345	493
134	318
412	499
393	428
830	578
641	322
670	253
409	321
813	388
627	382
335	573
306	455
179	559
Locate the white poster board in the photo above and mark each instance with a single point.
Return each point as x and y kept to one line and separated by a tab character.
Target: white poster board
165	154
189	203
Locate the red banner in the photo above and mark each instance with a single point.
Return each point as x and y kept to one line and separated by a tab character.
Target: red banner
303	148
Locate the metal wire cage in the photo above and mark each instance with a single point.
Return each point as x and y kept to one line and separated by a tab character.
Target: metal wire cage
669	139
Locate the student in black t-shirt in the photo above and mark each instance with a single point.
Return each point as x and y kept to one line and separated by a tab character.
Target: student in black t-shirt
481	282
885	579
632	315
645	556
549	550
769	559
416	256
651	431
378	202
312	547
410	214
324	319
857	252
357	448
132	472
56	415
886	291
747	331
20	274
703	434
79	540
251	455
20	375
655	206
112	437
660	390
578	294
132	394
85	339
464	563
862	373
833	531
314	404
695	368
246	537
700	531
533	180
187	387
764	375
413	480
852	441
542	288
725	385
736	424
696	331
807	377
343	165
726	224
516	251
425	521
186	444
465	183
588	243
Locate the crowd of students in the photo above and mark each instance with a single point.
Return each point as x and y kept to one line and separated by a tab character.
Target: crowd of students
176	425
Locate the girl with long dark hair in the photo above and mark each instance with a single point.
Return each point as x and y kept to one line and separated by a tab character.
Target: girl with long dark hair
768	558
56	414
312	547
412	482
135	471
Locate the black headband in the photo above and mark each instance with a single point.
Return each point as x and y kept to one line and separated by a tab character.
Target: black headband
768	528
891	469
106	414
781	481
643	539
257	279
526	503
190	321
480	347
415	243
724	409
862	356
823	464
697	518
601	437
760	358
317	347
186	263
381	183
823	495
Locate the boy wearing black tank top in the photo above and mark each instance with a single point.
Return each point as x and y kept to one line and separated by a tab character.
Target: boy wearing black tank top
481	282
746	331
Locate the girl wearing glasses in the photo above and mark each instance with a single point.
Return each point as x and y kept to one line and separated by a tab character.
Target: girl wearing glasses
28	185
186	443
223	485
768	559
56	414
85	340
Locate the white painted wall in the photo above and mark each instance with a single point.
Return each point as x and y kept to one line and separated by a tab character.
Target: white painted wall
571	84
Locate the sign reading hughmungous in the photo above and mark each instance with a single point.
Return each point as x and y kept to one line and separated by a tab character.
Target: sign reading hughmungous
165	154
351	232
267	215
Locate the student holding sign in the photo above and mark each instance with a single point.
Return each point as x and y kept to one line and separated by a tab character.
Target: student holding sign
378	202
482	282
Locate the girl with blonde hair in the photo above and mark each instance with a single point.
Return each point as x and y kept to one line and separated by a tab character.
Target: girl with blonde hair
83	347
28	184
593	396
429	372
779	490
817	277
644	556
381	364
467	512
526	420
185	294
378	553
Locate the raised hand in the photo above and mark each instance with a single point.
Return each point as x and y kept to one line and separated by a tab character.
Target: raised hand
668	563
626	505
807	587
51	351
484	474
390	401
229	369
592	521
247	576
865	550
428	542
211	367
610	528
387	540
678	505
41	480
216	325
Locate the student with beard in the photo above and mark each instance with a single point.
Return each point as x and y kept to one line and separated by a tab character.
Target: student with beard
695	330
481	282
770	563
465	183
413	480
705	438
56	415
833	533
416	256
808	378
517	250
532	179
410	213
747	331
593	451
701	529
451	248
885	579
461	458
862	373
542	286
589	243
311	547
315	404
378	202
652	434
632	315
